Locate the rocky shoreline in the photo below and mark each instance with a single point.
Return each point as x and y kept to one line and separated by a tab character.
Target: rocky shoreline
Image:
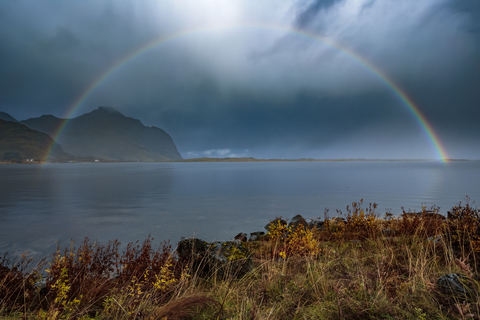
225	257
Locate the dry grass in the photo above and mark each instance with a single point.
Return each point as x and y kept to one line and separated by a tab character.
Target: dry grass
364	267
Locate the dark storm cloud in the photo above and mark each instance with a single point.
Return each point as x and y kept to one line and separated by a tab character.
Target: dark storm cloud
459	96
469	8
310	13
255	92
431	50
50	51
306	14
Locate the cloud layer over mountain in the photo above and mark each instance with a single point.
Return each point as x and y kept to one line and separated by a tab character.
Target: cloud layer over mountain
255	91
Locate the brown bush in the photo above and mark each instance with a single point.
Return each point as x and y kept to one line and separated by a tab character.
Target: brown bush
18	281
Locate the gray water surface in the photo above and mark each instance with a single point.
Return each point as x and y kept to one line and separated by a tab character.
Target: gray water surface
128	201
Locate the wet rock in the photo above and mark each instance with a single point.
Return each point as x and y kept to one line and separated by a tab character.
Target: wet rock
241	236
275	222
316	223
297	221
231	258
456	284
189	248
255	236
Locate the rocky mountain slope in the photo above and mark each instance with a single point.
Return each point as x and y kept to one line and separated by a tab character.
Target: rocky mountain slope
18	142
107	134
5	116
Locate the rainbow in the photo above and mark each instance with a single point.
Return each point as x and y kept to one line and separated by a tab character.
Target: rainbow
433	138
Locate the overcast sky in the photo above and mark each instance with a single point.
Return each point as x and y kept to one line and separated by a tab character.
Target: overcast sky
251	91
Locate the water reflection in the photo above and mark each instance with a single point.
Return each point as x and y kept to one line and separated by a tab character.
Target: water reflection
41	205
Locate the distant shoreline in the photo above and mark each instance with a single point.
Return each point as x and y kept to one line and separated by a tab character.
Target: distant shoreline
302	160
237	160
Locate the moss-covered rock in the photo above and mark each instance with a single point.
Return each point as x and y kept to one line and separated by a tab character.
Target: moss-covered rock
228	258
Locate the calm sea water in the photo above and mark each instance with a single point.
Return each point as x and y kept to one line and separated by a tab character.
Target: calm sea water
58	202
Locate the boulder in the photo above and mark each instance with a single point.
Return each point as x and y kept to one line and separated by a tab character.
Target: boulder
229	258
336	220
241	236
411	215
255	236
274	222
456	284
450	215
316	223
191	248
296	222
433	215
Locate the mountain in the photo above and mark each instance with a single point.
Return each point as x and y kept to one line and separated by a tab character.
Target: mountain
107	134
47	124
20	142
5	116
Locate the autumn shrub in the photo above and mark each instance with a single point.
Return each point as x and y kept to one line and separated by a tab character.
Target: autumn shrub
142	294
361	223
88	278
356	224
81	276
292	240
463	230
18	281
424	224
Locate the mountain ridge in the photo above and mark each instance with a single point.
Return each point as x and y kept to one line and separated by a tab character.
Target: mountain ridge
5	116
107	134
18	142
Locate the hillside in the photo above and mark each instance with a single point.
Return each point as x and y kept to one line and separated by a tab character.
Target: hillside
107	134
5	116
18	142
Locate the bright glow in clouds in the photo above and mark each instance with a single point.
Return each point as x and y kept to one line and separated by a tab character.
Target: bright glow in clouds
195	12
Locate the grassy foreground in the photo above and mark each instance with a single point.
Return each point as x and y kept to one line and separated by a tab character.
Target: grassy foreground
365	267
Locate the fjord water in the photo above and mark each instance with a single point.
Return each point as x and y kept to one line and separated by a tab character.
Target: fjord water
42	204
